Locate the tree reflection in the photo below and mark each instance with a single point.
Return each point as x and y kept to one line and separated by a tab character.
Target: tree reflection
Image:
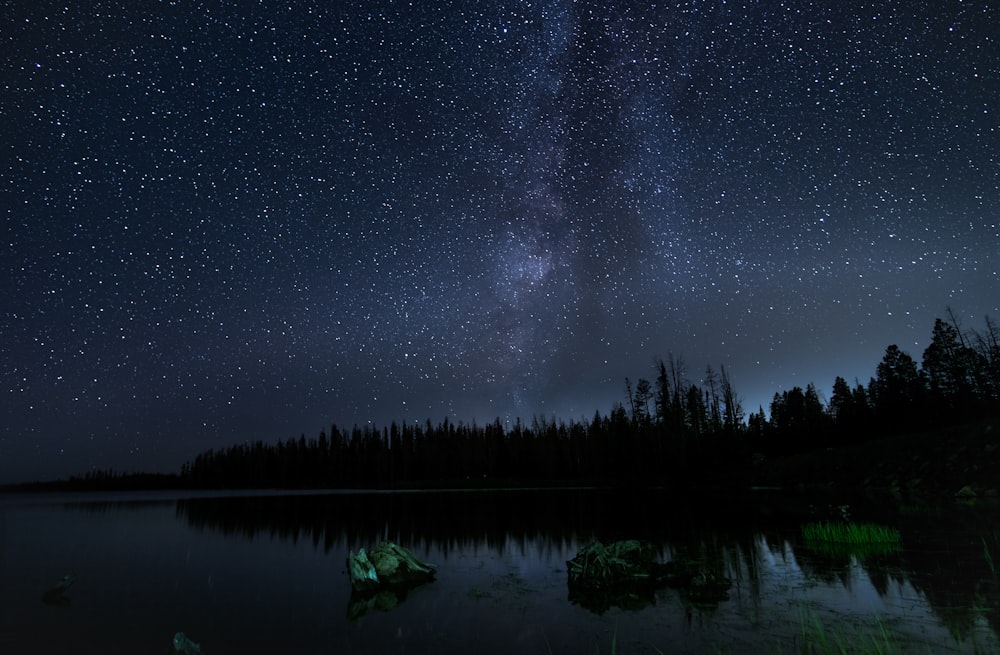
753	544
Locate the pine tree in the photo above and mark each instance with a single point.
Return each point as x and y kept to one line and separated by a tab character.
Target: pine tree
896	390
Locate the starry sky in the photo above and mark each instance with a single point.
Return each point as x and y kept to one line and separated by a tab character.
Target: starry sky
226	221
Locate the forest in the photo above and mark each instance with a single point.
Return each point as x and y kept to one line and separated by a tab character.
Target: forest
668	430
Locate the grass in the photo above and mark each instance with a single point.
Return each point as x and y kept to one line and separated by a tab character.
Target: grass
598	565
848	538
836	538
989	556
614	645
816	640
850	533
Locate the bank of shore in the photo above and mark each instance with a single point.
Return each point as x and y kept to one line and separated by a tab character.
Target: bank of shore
949	461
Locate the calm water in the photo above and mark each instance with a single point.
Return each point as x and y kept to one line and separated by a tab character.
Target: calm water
265	574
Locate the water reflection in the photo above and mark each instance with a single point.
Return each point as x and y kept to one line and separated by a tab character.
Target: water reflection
754	545
460	519
452	520
628	573
384	600
57	595
266	574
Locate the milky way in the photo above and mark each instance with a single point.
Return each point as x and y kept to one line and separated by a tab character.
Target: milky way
232	221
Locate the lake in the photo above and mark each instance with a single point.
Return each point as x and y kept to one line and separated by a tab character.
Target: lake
251	573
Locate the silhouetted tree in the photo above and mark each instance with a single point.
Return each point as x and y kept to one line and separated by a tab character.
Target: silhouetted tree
955	374
896	390
641	414
733	406
758	431
712	399
987	345
841	407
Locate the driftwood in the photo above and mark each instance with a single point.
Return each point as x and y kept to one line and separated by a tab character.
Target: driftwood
387	565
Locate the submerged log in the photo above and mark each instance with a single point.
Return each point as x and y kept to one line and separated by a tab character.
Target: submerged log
386	565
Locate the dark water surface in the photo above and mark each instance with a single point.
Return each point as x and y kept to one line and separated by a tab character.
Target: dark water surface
247	574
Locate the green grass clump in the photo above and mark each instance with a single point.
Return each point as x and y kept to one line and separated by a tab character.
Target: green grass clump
850	533
837	538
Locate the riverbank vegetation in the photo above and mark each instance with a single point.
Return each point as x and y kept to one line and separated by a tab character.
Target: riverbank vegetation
845	538
840	532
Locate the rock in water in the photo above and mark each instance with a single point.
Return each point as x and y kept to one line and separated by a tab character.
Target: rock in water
966	492
184	646
363	575
57	594
386	565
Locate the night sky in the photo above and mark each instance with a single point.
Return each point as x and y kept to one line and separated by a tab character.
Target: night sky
239	221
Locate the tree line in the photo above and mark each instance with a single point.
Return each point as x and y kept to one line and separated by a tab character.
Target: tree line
957	381
669	430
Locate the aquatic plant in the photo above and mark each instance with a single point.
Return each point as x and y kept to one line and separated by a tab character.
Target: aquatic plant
922	510
614	644
814	639
838	538
989	556
850	533
602	566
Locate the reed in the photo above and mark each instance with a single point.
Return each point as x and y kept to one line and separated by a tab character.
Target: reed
815	640
850	533
839	539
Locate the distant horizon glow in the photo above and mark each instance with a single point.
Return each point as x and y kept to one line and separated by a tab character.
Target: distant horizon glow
226	224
